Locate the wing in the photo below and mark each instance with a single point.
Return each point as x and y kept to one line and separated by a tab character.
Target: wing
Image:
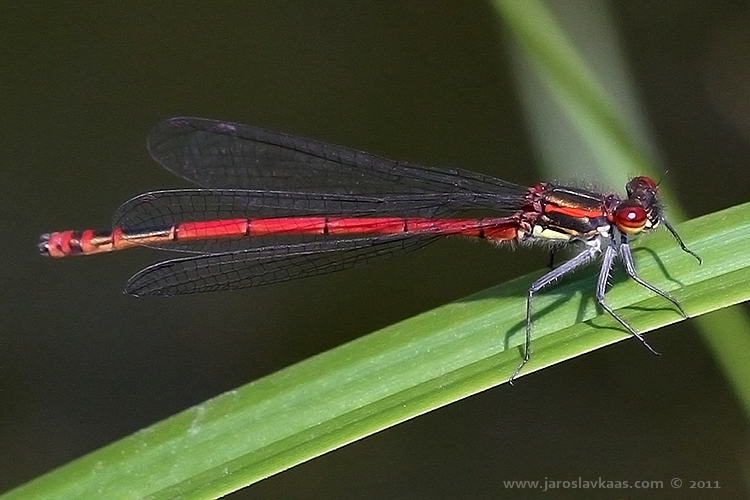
265	265
216	154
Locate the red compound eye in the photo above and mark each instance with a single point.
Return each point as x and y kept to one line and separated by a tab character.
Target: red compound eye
647	181
641	185
631	220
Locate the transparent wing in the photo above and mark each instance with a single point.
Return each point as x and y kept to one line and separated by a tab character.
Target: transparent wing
216	154
264	265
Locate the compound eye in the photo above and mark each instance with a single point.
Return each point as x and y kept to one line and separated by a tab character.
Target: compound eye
631	220
647	181
641	184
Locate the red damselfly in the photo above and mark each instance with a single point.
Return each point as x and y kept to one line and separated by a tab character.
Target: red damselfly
275	207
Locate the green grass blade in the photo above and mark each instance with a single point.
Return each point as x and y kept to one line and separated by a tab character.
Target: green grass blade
400	372
576	90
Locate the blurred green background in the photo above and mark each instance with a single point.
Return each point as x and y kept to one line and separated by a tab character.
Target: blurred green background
82	365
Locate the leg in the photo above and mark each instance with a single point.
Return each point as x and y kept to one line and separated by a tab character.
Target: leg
583	258
627	260
601	287
679	240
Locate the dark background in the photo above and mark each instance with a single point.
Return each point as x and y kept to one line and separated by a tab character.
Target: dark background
82	365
